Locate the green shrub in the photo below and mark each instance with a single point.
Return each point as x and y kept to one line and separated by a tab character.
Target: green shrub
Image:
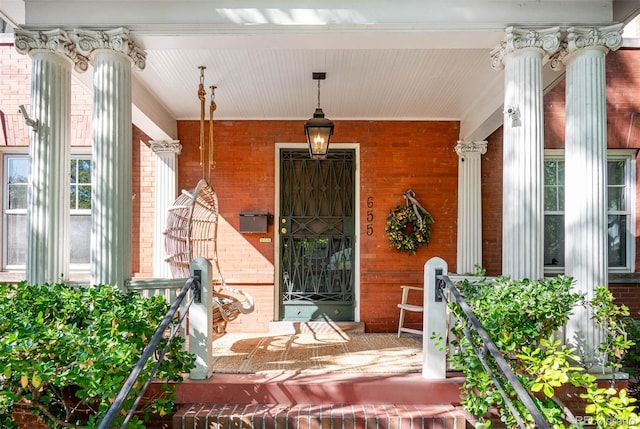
631	362
522	317
66	351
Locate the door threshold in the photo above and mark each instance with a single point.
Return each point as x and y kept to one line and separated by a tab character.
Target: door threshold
293	327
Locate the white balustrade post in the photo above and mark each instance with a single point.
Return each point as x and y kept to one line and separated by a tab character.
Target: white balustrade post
523	149
166	191
469	248
434	356
585	187
201	321
112	53
52	54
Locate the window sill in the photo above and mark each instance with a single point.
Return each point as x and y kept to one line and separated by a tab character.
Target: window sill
18	276
614	277
624	278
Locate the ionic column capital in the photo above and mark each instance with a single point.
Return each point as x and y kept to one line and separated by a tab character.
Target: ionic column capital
55	41
116	40
547	41
163	146
463	148
578	39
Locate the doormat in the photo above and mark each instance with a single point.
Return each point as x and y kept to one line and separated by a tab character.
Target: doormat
330	352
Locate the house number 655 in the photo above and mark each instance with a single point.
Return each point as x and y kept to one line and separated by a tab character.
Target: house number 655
370	215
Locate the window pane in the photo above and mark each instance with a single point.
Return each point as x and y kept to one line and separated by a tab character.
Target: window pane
80	184
84	197
84	171
550	198
74	175
616	185
554	240
554	185
616	197
17	197
80	226
550	177
17	177
616	172
617	241
561	173
18	169
16	239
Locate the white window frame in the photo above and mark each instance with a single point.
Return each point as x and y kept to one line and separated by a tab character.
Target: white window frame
76	153
628	155
6	212
549	155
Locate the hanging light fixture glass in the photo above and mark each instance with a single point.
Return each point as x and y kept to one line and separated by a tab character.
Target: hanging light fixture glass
318	129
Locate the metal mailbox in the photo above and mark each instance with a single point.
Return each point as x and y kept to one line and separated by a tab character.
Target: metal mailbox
253	221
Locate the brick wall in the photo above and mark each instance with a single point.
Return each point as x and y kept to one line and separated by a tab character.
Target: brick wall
143	205
629	295
394	156
15	89
491	200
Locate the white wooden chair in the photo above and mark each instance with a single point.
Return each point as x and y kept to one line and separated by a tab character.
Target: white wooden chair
404	306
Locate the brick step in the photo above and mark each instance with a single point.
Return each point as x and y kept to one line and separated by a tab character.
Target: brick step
291	388
316	416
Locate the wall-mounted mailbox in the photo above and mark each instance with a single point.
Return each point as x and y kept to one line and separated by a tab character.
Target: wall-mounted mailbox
253	221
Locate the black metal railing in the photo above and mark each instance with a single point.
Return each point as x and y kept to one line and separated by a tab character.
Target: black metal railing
444	285
193	283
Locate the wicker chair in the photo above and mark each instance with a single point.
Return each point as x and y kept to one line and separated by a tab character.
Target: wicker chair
192	225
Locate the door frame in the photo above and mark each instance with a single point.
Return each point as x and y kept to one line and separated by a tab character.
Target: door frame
276	228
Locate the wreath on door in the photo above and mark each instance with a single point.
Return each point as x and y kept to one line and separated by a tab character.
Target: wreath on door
409	227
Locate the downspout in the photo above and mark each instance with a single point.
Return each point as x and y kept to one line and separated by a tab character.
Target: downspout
3	122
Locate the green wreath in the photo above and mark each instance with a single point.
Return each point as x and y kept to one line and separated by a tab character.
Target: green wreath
405	231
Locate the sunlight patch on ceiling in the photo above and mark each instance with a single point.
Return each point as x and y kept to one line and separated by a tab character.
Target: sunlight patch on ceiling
253	16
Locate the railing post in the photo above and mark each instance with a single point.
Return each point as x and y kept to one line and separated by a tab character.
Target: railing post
201	321
434	356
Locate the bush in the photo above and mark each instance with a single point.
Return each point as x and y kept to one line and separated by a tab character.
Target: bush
631	362
522	317
66	351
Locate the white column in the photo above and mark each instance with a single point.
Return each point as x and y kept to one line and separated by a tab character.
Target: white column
523	157
469	206
52	53
112	54
166	192
585	187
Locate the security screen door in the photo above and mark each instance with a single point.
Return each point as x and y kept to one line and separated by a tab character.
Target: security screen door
317	228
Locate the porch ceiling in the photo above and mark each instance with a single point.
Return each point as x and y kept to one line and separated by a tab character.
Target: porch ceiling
409	60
